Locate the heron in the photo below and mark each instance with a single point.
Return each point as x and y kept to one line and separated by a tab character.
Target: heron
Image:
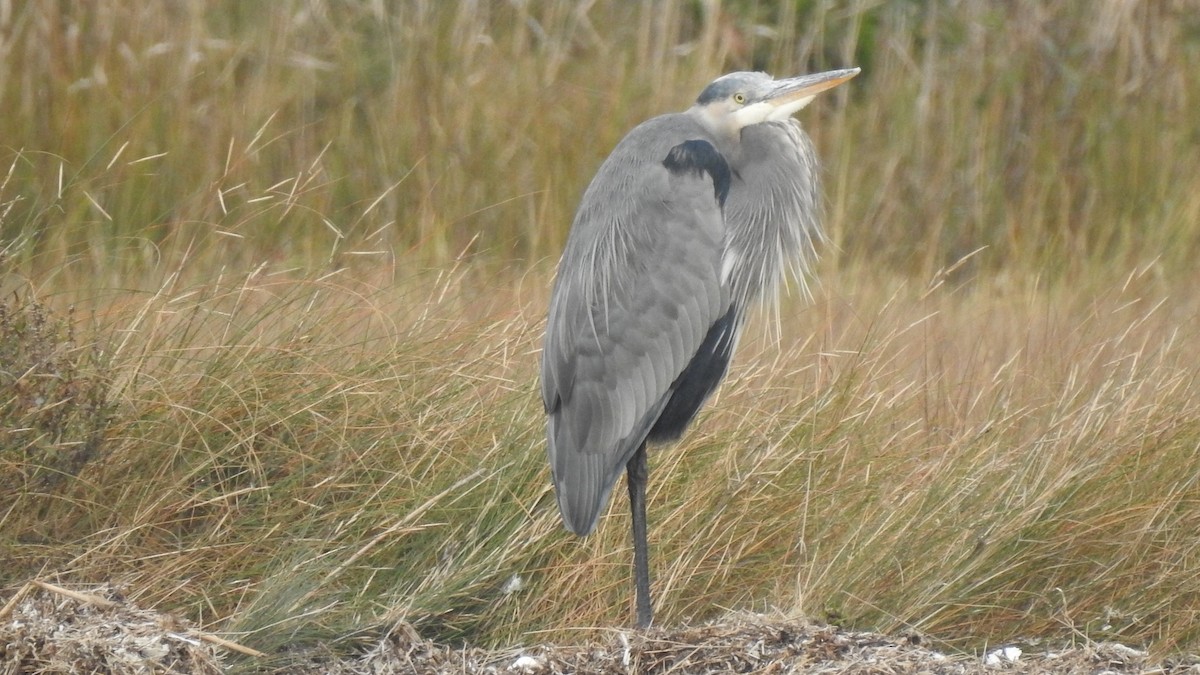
691	219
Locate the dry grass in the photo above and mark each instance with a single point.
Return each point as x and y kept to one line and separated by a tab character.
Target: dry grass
294	460
308	268
359	133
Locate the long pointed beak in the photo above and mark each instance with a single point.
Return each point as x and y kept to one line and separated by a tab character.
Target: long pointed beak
793	93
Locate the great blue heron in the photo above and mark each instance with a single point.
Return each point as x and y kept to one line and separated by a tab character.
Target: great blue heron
692	217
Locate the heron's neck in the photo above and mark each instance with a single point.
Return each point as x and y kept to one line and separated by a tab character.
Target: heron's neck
726	138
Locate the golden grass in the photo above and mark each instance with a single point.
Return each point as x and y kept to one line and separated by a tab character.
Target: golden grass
297	459
307	245
357	134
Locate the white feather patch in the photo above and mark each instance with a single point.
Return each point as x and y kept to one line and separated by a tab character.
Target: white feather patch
728	261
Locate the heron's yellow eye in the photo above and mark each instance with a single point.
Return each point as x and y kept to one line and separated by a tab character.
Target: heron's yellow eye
739	98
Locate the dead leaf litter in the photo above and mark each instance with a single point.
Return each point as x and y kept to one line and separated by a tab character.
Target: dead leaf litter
49	629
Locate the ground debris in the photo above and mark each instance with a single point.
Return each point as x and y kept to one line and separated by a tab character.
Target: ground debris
742	644
48	629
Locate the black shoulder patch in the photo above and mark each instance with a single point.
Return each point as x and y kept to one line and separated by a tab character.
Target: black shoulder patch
701	157
698	380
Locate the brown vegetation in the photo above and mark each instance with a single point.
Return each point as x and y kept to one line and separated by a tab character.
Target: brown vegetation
308	250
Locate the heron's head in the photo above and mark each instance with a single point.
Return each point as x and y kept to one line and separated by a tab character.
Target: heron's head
737	100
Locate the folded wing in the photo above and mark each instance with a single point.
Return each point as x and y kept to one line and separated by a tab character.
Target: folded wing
641	324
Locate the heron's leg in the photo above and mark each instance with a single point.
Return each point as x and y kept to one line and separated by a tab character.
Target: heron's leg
636	474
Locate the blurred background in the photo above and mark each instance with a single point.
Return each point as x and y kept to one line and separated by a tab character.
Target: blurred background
367	133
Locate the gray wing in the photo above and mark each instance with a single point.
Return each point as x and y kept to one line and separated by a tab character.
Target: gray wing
638	290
